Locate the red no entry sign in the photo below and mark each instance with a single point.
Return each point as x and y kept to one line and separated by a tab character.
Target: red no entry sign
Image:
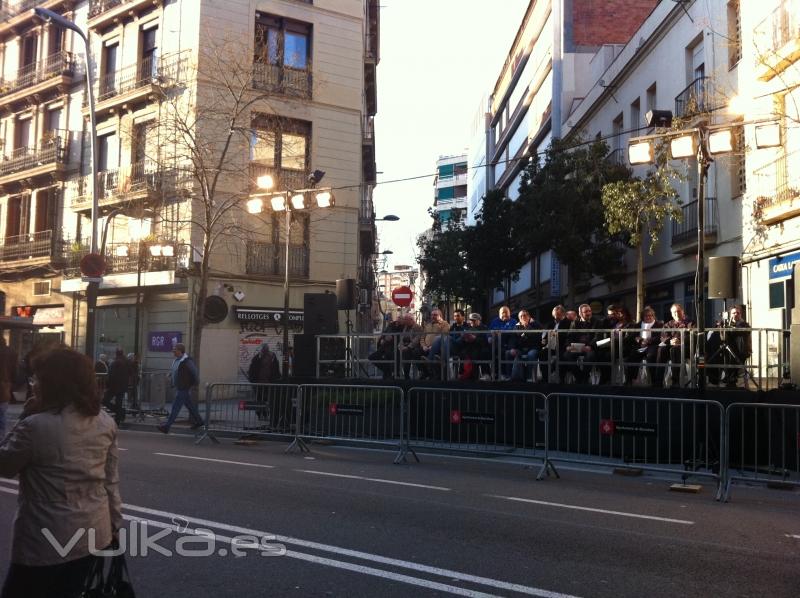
93	264
402	296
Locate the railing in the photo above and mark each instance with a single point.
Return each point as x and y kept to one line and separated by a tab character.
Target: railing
695	99
617	157
124	258
25	158
152	70
60	63
284	179
779	28
686	231
366	212
98	7
282	79
268	259
24	247
776	182
12	10
451	180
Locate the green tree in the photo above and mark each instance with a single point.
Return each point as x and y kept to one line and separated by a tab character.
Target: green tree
560	208
641	206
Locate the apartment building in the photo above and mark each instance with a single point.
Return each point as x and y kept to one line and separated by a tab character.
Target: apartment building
546	72
185	90
684	60
388	280
450	190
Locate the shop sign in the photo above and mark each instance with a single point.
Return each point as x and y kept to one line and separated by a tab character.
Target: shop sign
163	342
783	266
49	316
267	315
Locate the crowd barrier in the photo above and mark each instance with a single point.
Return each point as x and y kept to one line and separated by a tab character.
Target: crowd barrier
682	438
752	357
765	444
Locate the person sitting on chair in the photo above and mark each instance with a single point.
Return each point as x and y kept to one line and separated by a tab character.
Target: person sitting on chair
672	338
739	342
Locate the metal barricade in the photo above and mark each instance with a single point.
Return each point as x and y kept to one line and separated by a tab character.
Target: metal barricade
667	435
149	396
251	409
764	444
479	422
358	414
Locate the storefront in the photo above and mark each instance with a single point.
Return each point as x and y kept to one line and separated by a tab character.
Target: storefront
259	325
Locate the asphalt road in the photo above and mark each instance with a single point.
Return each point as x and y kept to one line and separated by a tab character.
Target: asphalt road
347	522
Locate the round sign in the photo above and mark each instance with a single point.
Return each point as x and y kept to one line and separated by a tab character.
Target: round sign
402	296
93	265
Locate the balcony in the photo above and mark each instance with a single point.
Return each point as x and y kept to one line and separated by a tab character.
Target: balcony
285	179
18	15
369	169
282	80
696	99
54	73
452	180
268	259
143	182
371	57
366	227
124	258
143	81
684	234
105	12
778	189
26	163
32	249
777	40
617	157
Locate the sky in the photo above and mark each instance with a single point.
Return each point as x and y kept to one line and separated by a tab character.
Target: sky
438	58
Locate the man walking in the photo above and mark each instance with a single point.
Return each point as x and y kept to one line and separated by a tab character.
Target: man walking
184	376
116	385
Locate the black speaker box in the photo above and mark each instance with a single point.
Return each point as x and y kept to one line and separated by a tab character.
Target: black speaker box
723	277
319	314
305	354
346	295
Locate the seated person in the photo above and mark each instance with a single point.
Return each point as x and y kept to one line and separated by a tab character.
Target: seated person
674	336
645	345
384	357
475	348
733	348
503	322
581	343
554	341
430	345
524	345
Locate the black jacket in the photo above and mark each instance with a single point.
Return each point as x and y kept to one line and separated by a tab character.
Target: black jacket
118	376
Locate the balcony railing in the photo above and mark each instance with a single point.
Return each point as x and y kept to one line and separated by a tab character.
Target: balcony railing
268	259
9	11
124	258
285	179
778	188
155	71
779	28
684	233
282	80
617	157
28	247
695	99
53	150
55	65
451	180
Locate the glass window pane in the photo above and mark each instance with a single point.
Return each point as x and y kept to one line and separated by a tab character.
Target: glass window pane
293	151
272	46
296	50
262	147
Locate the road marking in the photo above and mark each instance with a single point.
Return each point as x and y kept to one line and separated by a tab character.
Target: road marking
10	481
486	581
417	581
379	480
795	536
119	448
592	510
216	460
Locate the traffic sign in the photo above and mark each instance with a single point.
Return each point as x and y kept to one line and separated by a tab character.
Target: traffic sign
93	265
402	296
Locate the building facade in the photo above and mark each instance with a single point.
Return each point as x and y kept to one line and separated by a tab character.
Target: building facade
298	97
450	190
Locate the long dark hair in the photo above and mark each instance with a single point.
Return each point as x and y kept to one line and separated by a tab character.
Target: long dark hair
66	377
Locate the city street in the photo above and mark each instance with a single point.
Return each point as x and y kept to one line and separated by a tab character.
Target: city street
347	522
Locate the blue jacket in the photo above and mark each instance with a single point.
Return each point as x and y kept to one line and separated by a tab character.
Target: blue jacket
184	373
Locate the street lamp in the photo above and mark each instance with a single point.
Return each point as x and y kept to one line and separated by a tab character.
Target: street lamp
94	286
388	218
289	201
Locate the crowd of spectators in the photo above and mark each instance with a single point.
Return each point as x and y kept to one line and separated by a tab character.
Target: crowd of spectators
574	346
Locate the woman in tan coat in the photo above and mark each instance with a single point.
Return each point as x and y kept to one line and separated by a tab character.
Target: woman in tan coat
64	450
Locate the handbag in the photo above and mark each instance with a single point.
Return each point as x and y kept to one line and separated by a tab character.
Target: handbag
117	584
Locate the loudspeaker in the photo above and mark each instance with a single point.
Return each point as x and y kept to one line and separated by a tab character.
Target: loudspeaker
346	296
723	277
305	354
320	316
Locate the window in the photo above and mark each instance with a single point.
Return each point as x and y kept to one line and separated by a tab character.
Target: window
41	288
56	40
734	34
22	133
652	97
636	117
738	165
45	210
618	126
28	54
141	141
149	55
281	146
52	124
17	215
282	55
108	82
